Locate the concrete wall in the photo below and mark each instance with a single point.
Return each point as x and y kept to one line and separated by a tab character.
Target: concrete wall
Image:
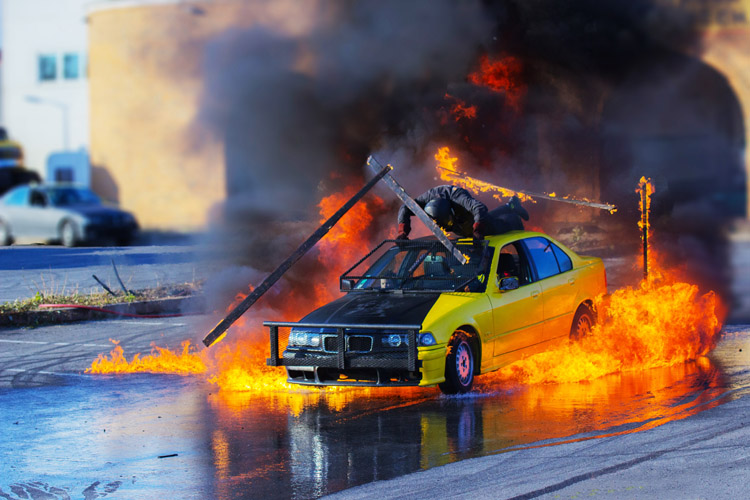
44	27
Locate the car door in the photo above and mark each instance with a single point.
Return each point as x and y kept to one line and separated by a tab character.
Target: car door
554	269
518	316
18	213
40	217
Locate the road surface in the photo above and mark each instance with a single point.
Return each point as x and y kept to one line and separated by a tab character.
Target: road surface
664	433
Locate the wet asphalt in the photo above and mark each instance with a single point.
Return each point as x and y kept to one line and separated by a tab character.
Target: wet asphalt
66	434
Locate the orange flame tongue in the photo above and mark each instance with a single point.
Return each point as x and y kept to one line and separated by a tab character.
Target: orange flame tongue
640	328
161	360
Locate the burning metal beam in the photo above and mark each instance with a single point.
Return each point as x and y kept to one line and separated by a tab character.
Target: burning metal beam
220	329
418	211
486	186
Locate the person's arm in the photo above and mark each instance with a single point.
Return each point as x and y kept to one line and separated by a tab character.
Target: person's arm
404	214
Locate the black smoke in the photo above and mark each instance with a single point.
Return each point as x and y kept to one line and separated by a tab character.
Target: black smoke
611	91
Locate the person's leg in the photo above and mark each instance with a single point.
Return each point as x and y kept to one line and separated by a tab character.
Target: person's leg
499	224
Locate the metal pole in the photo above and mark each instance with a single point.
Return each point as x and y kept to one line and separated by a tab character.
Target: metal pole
486	186
272	278
419	212
644	227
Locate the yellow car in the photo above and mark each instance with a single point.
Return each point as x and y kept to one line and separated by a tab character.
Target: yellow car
413	315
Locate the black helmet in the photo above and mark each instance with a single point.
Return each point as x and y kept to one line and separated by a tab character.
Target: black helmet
440	211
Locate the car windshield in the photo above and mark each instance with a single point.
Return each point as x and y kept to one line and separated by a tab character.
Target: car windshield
66	196
421	265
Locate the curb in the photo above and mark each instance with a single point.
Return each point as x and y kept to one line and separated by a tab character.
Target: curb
175	305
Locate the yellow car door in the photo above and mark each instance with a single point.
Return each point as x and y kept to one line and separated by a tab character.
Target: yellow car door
556	275
518	316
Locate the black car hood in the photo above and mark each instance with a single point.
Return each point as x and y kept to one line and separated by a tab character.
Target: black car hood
93	209
375	308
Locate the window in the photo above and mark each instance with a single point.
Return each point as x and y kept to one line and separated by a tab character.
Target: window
71	66
17	197
64	174
562	259
513	263
543	257
47	67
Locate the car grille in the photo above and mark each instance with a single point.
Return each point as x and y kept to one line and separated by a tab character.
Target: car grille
356	343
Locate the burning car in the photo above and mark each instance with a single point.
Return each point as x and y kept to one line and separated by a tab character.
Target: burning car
414	315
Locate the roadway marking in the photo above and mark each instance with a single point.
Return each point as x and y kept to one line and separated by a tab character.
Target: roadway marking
36	342
20	370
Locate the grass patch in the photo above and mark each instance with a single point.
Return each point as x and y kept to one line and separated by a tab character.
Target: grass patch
100	299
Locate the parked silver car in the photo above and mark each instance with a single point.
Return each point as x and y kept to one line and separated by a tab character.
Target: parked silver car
62	213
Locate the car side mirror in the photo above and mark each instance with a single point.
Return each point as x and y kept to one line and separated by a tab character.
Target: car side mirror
507	284
347	285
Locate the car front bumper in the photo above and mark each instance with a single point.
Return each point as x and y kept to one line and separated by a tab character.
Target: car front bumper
413	365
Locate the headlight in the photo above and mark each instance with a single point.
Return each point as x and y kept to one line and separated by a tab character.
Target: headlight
427	339
304	339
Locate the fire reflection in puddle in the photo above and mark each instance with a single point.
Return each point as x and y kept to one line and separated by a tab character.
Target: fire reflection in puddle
316	442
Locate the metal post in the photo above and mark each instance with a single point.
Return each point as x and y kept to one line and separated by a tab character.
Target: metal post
419	212
412	336
644	227
272	278
274	359
341	348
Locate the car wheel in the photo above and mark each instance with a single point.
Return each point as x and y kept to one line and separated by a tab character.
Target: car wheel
68	234
5	238
583	321
459	365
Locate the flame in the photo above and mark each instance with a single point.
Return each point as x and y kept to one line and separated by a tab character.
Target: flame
446	167
461	110
161	360
652	325
660	323
501	75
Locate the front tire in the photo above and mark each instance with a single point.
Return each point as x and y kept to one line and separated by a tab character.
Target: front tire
459	365
583	322
69	234
5	237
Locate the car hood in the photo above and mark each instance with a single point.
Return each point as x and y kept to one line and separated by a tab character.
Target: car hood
375	308
92	210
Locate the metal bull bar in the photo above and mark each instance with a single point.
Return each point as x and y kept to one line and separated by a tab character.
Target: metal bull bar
343	360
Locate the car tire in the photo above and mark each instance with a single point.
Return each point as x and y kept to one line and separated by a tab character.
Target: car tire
5	237
459	365
583	321
69	234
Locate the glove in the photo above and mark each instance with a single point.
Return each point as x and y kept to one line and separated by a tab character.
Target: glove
478	233
403	232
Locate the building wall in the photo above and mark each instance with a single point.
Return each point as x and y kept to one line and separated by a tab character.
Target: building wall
150	150
52	28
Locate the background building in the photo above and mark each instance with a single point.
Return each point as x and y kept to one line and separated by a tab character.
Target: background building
44	76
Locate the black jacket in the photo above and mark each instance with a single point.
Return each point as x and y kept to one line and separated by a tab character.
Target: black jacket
466	209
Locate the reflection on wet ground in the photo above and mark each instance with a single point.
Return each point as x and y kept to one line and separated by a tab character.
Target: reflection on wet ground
95	435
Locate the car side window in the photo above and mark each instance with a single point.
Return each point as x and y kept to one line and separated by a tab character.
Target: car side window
17	197
563	261
513	262
37	198
542	256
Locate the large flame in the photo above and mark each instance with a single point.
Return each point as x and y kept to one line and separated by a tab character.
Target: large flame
656	324
161	360
661	322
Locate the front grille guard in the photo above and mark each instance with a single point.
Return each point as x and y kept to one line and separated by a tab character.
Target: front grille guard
346	359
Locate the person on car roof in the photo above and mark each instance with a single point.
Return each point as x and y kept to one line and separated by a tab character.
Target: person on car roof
454	209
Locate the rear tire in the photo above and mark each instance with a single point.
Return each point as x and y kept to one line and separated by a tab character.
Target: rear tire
459	365
5	237
69	234
583	321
